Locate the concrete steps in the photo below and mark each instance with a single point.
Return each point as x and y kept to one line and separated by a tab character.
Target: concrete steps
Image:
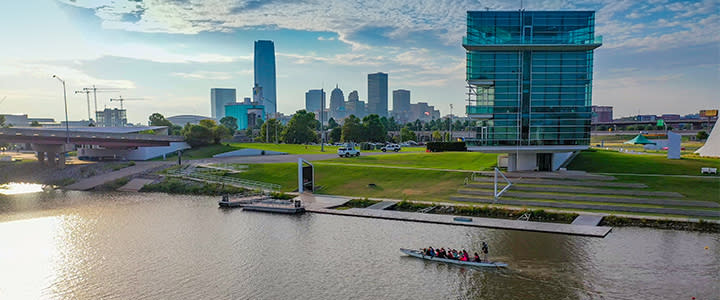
604	207
382	205
567	182
591	198
581	190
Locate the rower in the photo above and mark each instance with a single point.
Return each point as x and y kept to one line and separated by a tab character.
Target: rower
485	250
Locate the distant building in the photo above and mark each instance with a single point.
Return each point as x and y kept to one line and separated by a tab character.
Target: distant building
181	120
423	112
218	99
401	105
378	94
16	120
354	106
601	114
248	116
669	117
644	118
337	104
314	100
111	117
265	74
81	123
247	100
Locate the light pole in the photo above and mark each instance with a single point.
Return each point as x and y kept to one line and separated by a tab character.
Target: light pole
322	112
451	121
67	123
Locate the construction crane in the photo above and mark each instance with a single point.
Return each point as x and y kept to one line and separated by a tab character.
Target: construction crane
121	99
96	90
87	95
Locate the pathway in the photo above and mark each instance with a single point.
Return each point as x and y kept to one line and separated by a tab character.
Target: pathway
91	182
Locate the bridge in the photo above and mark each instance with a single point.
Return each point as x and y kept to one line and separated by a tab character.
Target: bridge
51	143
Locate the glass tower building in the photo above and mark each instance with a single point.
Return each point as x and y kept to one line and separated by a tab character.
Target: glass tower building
265	74
218	99
529	76
378	94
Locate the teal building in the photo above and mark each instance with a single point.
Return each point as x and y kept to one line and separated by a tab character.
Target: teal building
529	77
247	115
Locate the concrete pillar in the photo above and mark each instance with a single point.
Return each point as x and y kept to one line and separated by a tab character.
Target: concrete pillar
522	161
51	156
41	157
61	161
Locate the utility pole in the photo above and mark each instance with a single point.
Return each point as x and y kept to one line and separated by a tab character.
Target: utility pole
87	95
67	123
267	127
451	122
322	113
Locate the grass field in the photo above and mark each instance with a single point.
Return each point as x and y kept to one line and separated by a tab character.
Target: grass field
209	151
614	162
693	188
353	181
439	160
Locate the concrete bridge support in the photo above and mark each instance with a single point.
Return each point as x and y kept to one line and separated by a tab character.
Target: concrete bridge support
52	155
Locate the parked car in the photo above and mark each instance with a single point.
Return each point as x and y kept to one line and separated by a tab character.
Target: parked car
348	151
390	147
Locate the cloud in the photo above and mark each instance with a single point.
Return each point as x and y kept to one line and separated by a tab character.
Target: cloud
72	76
321	38
211	75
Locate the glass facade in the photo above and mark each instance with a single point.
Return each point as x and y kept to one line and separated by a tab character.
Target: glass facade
530	77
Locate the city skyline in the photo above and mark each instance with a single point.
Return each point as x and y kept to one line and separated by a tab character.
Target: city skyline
657	57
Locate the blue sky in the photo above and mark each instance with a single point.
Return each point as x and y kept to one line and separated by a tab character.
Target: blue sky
658	56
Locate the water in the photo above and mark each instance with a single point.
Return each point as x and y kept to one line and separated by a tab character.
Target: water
80	245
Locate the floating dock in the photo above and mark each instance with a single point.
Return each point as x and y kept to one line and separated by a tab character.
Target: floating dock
264	203
583	230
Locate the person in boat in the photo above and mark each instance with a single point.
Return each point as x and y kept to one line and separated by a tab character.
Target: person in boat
476	258
441	253
464	256
431	252
485	250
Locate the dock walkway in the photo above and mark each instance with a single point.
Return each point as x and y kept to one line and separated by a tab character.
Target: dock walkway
325	204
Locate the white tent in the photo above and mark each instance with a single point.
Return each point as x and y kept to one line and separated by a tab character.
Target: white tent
712	144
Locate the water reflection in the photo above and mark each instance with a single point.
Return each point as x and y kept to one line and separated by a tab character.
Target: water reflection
91	245
15	188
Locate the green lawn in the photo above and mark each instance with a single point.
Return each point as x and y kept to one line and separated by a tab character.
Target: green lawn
353	181
209	151
437	160
615	162
707	188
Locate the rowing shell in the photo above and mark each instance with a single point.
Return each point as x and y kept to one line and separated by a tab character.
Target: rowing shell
418	254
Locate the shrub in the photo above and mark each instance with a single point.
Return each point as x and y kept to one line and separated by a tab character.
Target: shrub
446	146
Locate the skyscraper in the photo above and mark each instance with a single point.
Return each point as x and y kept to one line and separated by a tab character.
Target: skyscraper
378	94
337	104
314	100
265	74
401	105
218	99
529	76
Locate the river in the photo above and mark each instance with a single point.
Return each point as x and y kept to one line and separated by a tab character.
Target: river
84	245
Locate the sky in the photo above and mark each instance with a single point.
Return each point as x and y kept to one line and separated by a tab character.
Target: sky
658	56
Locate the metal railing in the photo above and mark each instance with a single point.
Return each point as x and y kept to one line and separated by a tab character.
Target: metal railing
252	184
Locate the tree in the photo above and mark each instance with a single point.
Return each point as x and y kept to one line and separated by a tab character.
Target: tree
2	121
175	130
157	119
407	135
35	124
702	135
374	129
197	135
219	133
230	123
352	130
436	136
275	130
207	123
332	124
301	128
336	135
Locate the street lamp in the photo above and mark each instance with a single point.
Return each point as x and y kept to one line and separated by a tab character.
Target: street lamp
67	123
